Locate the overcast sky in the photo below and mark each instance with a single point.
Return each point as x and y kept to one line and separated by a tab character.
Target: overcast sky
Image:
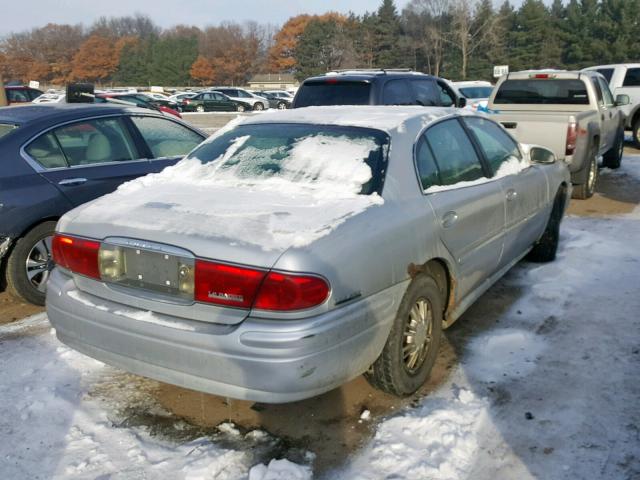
18	16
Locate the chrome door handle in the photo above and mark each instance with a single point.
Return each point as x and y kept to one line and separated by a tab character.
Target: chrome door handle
511	195
449	219
72	181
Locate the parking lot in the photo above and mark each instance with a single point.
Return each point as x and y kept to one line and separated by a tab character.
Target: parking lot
345	431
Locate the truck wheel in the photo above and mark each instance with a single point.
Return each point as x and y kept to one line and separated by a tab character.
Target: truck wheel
636	132
587	189
613	157
412	347
29	264
544	250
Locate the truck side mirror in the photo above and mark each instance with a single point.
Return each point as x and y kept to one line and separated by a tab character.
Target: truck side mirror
461	103
622	99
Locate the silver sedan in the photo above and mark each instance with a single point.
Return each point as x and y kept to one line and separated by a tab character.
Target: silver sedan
299	249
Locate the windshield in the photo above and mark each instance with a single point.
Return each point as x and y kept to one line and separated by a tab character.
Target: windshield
317	157
6	128
332	92
548	92
476	92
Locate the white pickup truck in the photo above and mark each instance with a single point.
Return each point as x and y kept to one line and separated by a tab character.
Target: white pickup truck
624	78
573	114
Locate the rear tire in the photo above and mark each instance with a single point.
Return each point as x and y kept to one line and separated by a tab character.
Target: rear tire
282	106
31	252
613	157
403	366
240	108
258	106
200	108
545	249
636	132
588	188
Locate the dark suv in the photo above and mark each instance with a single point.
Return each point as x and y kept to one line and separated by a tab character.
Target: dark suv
20	94
376	87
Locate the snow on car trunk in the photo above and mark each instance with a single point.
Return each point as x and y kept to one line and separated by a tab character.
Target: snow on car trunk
260	187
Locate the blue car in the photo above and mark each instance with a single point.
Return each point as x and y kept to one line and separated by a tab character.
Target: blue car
56	157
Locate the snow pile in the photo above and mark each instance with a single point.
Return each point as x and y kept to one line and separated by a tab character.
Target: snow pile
280	470
439	440
316	189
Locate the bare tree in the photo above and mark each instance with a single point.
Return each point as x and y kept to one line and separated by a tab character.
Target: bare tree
427	22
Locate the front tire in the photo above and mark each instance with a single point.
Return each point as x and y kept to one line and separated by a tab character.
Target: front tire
412	347
282	106
588	188
29	264
200	109
545	249
636	132
613	158
240	108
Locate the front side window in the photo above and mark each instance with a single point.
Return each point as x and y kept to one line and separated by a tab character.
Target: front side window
95	141
166	138
17	96
426	92
346	159
632	78
447	98
498	147
606	93
397	92
606	73
243	94
453	152
46	151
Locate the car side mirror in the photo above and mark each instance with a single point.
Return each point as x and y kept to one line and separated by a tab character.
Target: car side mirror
622	100
541	155
461	103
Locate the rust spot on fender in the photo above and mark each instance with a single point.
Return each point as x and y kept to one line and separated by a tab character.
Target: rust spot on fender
414	270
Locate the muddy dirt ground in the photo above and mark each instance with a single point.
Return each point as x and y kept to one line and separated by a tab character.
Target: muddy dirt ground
330	425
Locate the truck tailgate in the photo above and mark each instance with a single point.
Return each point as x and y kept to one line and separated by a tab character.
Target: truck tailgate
548	129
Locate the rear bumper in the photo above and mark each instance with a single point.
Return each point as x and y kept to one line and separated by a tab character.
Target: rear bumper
5	243
261	360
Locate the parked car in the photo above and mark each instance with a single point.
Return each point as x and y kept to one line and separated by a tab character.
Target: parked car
376	87
59	156
477	92
212	102
280	93
241	95
624	79
574	114
179	97
276	101
142	101
246	269
20	94
51	98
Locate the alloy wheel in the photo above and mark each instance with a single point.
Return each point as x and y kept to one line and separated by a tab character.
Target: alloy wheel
39	263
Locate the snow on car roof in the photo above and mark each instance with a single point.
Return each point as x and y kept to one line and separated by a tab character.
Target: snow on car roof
383	117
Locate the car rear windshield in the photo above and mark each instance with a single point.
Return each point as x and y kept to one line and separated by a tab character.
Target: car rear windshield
6	128
332	92
543	91
321	156
476	92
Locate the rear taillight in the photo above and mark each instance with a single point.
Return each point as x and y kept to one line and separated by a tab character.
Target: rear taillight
186	102
76	254
281	291
572	137
226	284
246	287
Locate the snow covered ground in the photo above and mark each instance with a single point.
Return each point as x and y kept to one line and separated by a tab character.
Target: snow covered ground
546	386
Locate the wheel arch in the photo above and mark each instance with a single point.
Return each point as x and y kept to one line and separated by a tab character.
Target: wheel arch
442	273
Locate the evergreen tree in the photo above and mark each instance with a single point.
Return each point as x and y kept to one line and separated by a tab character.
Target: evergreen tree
535	43
388	51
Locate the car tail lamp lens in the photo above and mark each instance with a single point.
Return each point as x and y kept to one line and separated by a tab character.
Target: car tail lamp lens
572	137
226	284
76	254
281	291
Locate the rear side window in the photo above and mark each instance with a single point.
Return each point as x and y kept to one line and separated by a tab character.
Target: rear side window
426	92
543	92
632	78
606	73
46	151
453	153
497	146
427	168
96	141
166	138
333	93
6	128
476	92
17	96
397	92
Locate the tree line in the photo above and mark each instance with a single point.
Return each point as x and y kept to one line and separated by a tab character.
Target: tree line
457	39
